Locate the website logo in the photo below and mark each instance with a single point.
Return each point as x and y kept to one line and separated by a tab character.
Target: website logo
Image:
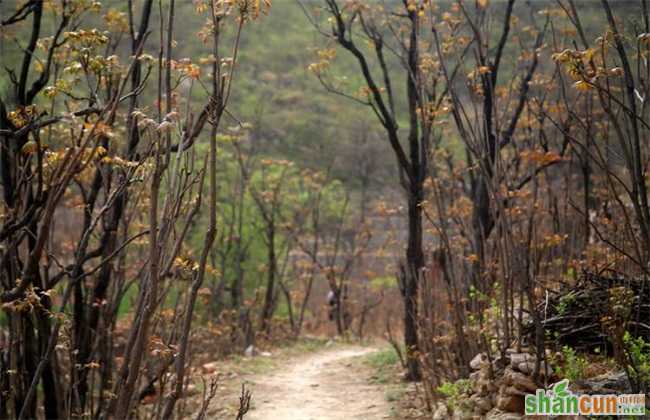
559	400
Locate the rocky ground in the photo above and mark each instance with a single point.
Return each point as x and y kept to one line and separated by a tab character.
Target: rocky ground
497	388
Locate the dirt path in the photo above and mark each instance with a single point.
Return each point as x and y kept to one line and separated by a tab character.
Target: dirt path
327	385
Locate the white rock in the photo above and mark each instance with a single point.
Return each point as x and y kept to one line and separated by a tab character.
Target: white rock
528	368
477	361
475	376
441	413
517	358
251	351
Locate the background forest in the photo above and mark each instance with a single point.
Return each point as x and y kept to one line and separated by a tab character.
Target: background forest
465	179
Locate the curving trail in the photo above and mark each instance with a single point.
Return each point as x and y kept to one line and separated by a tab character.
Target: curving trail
320	386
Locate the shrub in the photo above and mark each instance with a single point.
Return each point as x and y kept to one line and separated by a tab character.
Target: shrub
454	391
638	351
574	366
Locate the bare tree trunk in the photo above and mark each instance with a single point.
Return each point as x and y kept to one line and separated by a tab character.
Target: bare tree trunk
414	265
269	297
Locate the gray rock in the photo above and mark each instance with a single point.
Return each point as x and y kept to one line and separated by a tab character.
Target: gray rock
518	358
481	404
441	413
478	361
608	383
251	351
528	368
461	414
475	376
517	380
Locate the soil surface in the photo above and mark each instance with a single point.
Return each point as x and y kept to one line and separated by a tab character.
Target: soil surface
325	385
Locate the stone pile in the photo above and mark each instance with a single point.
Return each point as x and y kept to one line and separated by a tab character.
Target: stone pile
498	394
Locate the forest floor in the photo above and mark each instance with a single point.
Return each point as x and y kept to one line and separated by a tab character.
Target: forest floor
330	381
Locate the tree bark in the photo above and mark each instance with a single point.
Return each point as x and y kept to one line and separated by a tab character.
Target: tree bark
267	311
414	264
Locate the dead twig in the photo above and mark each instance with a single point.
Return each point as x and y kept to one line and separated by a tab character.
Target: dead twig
244	402
208	394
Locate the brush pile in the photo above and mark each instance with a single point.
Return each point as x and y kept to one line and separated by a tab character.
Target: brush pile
584	316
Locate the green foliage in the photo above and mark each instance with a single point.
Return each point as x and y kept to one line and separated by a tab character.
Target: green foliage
454	391
384	357
278	185
383	282
574	366
308	344
564	303
639	353
491	314
384	362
